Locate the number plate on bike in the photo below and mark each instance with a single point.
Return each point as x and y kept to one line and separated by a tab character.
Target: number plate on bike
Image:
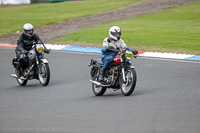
128	55
39	47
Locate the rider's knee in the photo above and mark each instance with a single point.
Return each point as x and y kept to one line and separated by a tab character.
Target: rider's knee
22	58
110	58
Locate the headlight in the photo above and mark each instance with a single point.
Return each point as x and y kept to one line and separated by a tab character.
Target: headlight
39	48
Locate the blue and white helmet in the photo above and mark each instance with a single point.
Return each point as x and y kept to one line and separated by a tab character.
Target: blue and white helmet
28	27
113	30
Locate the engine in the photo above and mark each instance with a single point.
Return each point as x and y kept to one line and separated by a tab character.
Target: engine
113	71
31	57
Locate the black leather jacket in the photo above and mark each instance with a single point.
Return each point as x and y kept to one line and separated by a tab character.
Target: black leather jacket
25	43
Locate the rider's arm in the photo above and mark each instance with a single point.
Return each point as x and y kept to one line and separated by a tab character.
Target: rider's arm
39	41
20	44
104	49
135	52
123	44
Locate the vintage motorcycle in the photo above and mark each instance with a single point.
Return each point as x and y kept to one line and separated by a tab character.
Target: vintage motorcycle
34	67
120	75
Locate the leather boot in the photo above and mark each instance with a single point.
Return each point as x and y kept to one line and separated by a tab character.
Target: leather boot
101	75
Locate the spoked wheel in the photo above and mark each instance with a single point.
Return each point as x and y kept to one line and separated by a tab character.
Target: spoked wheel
21	82
44	76
98	90
129	85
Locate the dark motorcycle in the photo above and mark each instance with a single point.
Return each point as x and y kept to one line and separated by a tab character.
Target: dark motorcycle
34	67
120	75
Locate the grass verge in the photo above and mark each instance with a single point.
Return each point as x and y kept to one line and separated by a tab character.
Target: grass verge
174	30
13	18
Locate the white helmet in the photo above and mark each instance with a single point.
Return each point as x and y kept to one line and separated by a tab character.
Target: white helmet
27	27
113	30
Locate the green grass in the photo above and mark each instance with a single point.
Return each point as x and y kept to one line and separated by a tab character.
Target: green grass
173	30
13	18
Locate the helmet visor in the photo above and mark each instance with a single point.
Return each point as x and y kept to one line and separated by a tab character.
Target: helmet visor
30	32
116	34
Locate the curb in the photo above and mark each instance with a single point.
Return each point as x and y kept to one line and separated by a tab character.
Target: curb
141	53
98	50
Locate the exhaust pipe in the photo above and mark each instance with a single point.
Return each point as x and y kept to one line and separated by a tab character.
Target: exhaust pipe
99	84
15	76
96	83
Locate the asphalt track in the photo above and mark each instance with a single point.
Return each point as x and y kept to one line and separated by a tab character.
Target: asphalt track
166	98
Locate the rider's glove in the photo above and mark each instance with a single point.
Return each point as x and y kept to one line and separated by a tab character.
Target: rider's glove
34	43
108	50
111	48
135	52
109	39
47	51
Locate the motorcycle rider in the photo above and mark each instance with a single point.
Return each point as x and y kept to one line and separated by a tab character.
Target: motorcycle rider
110	45
25	42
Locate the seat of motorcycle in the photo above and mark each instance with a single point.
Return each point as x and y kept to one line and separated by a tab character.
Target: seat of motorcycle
99	61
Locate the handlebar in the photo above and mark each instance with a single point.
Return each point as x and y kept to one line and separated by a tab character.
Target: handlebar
47	51
110	48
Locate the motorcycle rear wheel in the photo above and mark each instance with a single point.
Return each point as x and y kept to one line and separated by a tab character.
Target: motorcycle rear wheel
131	78
44	76
98	90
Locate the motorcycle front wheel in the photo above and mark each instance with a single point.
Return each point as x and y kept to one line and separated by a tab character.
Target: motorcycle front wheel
44	75
21	82
129	85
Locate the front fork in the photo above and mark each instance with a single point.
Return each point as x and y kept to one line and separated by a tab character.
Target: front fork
37	64
123	75
123	70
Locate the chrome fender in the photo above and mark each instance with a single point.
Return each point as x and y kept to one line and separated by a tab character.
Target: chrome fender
132	67
44	60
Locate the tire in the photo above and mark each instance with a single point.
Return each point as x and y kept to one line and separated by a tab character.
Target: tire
44	76
131	78
21	82
98	90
